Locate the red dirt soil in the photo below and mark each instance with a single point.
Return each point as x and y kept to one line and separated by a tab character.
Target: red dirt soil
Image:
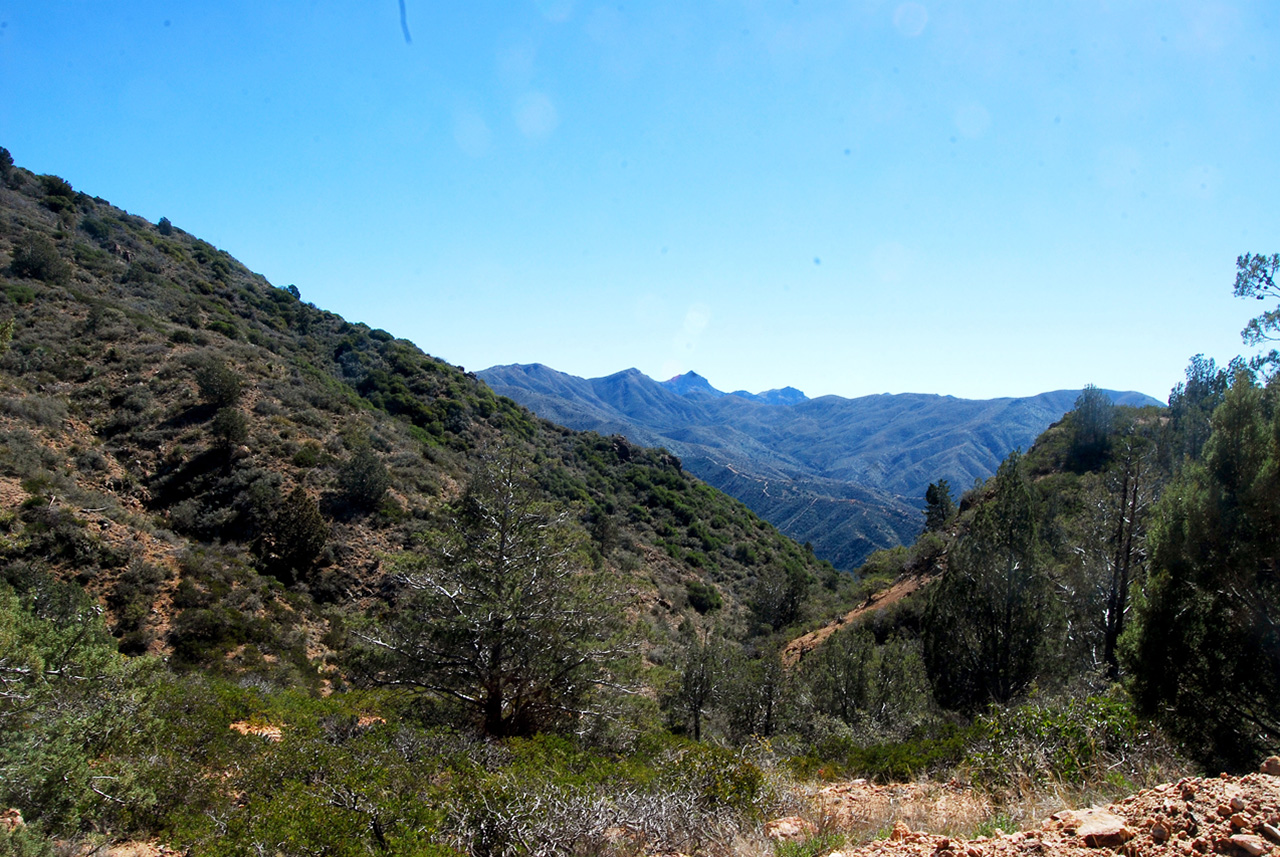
1236	816
795	650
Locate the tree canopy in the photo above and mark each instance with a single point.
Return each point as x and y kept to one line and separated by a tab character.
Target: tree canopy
502	614
1205	656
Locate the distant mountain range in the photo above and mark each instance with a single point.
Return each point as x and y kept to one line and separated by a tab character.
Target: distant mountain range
847	476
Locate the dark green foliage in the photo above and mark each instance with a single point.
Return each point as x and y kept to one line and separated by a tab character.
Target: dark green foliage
1090	422
36	257
296	535
1256	278
922	752
363	479
6	165
59	195
226	328
778	595
755	695
990	615
1205	657
720	777
1064	740
939	508
25	841
839	675
164	227
877	688
703	670
308	455
1192	403
101	230
131	601
19	293
703	597
499	617
76	719
230	426
219	384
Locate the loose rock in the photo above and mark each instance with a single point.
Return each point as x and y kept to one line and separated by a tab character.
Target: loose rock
1254	846
793	827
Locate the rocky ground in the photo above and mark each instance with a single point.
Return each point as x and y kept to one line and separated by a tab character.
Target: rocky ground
1238	816
1232	816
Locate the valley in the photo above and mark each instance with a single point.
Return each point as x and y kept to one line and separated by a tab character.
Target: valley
847	476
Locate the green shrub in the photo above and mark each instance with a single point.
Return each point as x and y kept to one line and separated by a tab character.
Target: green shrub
1055	740
230	426
219	384
97	228
37	257
812	846
296	535
308	455
25	841
40	410
59	195
703	597
719	777
227	329
363	479
19	294
926	751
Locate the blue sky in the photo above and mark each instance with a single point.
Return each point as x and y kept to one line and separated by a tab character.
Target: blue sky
978	199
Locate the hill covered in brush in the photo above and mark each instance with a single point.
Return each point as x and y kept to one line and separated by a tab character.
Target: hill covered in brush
161	402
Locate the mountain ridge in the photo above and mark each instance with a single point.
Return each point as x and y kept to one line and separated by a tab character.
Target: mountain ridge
829	452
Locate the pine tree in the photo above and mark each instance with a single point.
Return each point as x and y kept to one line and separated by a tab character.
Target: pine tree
988	618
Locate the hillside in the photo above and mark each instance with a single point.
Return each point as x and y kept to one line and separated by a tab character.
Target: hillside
181	437
844	475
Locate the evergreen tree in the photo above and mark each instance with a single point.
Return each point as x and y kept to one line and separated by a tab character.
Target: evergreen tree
296	535
1090	420
704	666
778	594
988	618
1256	278
363	479
501	615
1205	655
939	508
839	674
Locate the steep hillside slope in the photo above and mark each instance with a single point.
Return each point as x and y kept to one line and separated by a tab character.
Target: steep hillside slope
217	460
846	475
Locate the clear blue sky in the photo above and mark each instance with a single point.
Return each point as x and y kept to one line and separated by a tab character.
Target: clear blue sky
979	199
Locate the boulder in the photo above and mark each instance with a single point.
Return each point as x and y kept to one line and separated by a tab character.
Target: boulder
1272	766
1099	828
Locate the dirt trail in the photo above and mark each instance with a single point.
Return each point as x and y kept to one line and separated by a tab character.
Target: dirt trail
795	650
